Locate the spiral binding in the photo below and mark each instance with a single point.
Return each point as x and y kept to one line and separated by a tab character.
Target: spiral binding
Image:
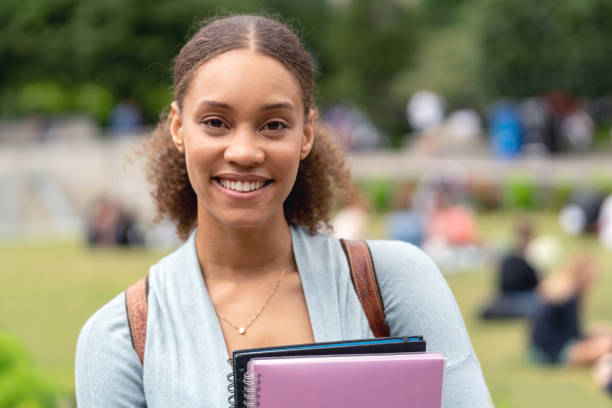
231	400
251	388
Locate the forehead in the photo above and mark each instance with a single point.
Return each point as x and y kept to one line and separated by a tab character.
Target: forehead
244	77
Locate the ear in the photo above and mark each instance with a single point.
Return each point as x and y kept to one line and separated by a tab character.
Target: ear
308	139
176	127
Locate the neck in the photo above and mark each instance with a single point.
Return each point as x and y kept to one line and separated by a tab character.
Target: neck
235	253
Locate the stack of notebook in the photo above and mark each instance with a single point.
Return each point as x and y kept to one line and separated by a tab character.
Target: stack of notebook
393	371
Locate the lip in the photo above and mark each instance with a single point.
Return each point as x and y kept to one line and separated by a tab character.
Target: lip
241	177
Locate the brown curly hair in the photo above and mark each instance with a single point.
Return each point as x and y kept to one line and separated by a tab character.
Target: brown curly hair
310	202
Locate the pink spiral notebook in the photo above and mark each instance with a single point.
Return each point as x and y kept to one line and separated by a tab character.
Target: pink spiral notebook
358	381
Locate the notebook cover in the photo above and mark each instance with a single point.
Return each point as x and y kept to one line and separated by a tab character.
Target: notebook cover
366	346
356	381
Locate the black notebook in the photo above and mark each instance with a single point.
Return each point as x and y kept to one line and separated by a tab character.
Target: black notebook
383	345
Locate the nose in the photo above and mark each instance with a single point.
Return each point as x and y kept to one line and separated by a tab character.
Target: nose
243	149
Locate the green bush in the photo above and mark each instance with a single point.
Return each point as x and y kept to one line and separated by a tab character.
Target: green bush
21	386
378	193
520	192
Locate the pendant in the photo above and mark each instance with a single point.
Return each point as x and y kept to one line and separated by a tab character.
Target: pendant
242	330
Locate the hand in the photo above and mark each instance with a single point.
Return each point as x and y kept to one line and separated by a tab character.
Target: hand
602	370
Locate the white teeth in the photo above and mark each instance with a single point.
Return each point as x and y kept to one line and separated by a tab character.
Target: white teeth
241	186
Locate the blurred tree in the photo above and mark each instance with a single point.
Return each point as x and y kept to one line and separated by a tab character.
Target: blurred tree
70	55
87	55
534	47
447	63
367	44
440	13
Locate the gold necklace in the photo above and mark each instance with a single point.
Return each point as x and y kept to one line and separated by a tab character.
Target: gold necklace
243	329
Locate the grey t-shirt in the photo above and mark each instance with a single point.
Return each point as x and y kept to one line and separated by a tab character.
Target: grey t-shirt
186	357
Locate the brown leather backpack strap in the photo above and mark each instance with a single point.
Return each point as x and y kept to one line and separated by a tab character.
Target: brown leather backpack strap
364	279
137	311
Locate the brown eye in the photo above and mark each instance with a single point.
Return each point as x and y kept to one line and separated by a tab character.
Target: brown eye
275	126
215	126
215	123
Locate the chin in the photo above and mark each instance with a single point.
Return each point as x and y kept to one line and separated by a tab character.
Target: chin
246	220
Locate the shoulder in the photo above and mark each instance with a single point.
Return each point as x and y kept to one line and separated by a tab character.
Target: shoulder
404	267
418	300
408	277
105	358
108	325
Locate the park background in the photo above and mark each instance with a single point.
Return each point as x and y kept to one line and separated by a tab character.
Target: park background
66	66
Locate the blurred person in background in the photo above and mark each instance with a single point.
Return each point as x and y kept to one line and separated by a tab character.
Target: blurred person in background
125	118
405	222
506	130
451	233
516	280
557	336
425	110
110	224
351	220
605	223
581	214
352	128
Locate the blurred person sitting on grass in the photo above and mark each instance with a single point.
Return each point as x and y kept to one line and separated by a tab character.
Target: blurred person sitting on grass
557	336
404	222
517	280
451	234
110	224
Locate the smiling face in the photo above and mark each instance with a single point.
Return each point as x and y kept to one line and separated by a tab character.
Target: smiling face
243	131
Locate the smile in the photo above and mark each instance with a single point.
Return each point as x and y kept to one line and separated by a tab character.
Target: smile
242	186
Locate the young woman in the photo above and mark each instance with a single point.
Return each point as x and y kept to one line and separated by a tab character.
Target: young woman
245	171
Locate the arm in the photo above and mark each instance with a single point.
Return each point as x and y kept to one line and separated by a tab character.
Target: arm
108	373
570	314
530	276
418	301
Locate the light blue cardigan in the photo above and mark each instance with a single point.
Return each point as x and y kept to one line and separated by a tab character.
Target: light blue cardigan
185	359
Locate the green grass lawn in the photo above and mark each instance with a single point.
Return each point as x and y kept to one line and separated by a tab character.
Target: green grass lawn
48	290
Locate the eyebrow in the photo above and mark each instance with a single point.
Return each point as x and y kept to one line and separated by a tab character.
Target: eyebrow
268	107
216	104
272	106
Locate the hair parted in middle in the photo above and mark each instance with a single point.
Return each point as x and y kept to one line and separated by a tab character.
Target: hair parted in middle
310	202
